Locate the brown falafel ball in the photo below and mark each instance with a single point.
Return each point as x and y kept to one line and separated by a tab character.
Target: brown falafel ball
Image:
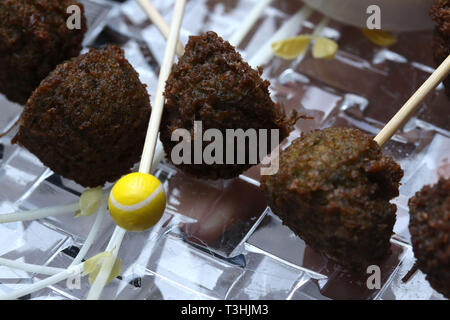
212	84
430	233
333	190
87	120
440	13
34	39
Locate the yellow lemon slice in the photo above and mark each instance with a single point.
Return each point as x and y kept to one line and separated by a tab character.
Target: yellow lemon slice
324	48
137	201
380	37
291	48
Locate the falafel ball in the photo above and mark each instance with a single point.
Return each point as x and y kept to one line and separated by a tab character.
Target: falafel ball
430	233
87	120
212	84
34	39
333	190
440	13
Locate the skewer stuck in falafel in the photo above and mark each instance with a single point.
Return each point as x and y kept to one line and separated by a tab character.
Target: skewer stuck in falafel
333	190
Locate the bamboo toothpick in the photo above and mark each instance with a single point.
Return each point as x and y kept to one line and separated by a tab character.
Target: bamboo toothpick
166	68
236	39
413	103
249	22
156	18
149	146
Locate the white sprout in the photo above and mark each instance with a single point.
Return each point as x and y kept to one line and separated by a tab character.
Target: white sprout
63	275
57	274
34	268
115	242
39	213
60	274
107	265
94	230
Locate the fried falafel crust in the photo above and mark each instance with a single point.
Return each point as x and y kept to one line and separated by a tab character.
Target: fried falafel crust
333	190
87	120
211	83
34	39
440	13
430	233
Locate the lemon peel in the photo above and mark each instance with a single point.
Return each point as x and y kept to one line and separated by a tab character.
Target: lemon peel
90	202
324	48
92	266
291	48
380	37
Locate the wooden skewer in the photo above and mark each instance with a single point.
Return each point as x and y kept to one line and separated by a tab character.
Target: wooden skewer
155	119
149	146
413	103
155	17
236	39
248	23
